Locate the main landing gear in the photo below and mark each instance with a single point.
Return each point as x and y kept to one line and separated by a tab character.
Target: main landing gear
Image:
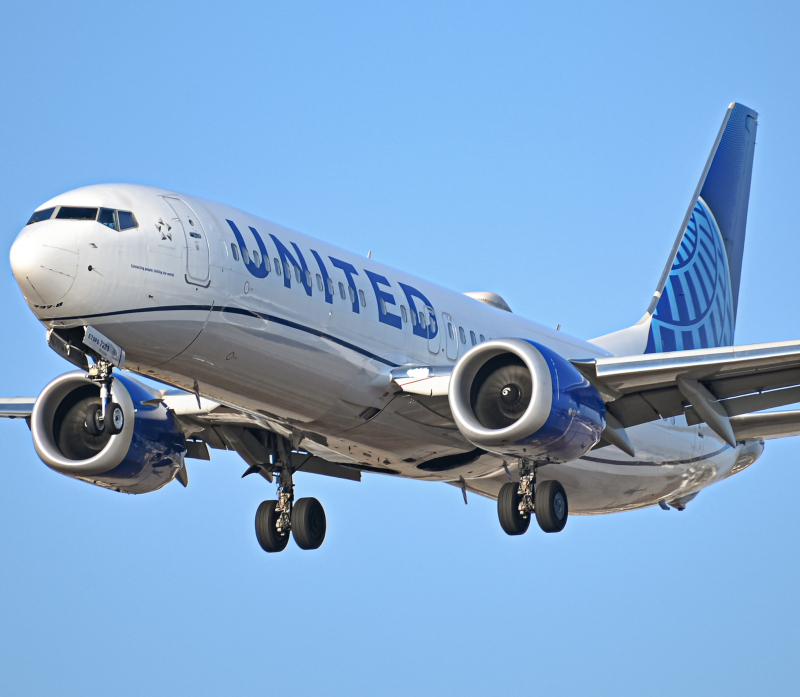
303	519
516	502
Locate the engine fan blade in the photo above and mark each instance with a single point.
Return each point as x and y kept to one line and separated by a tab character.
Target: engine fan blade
501	391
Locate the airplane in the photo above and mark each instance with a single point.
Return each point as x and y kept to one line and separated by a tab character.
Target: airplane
303	357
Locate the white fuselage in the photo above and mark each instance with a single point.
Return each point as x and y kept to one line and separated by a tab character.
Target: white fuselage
307	361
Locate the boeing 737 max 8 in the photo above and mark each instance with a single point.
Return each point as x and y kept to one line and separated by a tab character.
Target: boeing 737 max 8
301	356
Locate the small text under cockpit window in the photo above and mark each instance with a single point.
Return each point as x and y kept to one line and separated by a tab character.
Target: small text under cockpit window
39	216
76	213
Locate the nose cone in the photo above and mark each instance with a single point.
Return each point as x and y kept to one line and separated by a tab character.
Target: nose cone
44	264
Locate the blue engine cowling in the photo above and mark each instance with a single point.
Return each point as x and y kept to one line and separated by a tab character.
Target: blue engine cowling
521	399
145	456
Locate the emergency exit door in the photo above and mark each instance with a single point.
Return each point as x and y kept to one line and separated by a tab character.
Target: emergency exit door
451	336
197	254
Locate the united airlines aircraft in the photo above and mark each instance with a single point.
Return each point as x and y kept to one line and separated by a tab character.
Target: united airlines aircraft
300	356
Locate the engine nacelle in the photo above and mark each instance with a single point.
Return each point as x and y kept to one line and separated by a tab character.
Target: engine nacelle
145	456
519	398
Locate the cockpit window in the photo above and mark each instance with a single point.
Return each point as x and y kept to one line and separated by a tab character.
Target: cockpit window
126	220
106	217
75	213
39	216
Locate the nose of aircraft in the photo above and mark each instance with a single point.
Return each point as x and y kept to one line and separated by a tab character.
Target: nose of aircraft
44	264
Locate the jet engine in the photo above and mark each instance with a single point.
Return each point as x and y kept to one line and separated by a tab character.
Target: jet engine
521	399
144	456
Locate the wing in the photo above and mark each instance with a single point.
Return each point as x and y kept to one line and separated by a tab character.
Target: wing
717	386
721	387
17	407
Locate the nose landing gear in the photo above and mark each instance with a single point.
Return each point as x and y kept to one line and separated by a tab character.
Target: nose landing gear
517	502
106	417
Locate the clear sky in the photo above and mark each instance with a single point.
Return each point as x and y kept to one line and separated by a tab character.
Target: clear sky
544	151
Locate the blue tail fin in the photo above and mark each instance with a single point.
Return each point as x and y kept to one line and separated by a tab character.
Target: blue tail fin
695	303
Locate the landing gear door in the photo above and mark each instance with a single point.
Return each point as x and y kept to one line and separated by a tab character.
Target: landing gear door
197	254
433	329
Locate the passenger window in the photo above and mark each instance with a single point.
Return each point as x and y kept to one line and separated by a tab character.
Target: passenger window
106	217
308	278
39	216
413	316
277	267
256	258
483	338
341	291
266	263
319	283
403	313
75	213
329	281
462	335
352	293
363	298
431	317
126	220
422	320
297	274
286	269
235	251
383	307
472	338
245	255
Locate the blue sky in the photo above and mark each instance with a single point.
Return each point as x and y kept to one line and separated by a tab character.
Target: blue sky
544	151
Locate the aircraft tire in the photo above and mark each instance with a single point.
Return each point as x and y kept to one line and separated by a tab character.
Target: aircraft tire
308	523
511	520
266	531
116	419
94	420
550	502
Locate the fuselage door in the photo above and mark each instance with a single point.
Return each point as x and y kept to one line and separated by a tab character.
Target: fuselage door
433	329
197	255
451	336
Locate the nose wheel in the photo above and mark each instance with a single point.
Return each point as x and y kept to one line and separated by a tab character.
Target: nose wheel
518	502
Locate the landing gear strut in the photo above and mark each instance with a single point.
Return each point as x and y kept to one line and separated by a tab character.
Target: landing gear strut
517	502
304	519
106	417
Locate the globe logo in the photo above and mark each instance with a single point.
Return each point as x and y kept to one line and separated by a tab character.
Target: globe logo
696	305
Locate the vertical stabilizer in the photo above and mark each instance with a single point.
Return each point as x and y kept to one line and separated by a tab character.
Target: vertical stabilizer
695	303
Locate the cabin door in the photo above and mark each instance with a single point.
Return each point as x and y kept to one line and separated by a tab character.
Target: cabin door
197	254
